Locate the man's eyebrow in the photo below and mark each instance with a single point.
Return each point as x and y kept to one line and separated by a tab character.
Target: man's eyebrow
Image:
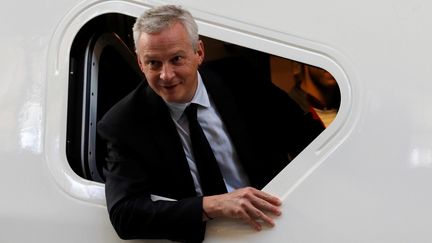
180	52
155	57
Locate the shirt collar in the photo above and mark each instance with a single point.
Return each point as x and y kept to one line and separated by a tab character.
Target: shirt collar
201	98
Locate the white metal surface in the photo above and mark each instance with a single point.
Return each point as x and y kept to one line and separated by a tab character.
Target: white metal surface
365	179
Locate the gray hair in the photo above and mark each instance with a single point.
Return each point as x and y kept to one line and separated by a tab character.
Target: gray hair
162	17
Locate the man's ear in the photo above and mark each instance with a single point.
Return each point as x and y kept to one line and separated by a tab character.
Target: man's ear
200	51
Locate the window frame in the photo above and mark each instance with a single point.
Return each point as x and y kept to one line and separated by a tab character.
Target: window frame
229	30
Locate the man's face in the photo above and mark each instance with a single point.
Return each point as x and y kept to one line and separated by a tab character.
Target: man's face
169	63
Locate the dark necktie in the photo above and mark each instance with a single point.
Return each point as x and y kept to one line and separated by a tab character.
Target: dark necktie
208	168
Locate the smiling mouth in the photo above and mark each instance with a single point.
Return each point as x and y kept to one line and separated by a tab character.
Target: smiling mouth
169	87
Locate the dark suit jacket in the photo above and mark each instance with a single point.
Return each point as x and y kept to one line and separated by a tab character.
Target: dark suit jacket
145	155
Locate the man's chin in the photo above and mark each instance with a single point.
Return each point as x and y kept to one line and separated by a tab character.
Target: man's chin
174	99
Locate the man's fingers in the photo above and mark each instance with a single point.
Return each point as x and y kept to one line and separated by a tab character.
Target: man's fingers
268	198
266	202
266	206
257	214
250	218
254	224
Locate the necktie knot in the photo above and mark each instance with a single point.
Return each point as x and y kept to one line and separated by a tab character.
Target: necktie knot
191	112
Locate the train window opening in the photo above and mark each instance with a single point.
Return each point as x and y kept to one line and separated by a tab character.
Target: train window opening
103	69
314	89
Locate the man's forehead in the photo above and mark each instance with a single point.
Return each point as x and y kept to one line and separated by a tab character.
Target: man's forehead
164	48
161	53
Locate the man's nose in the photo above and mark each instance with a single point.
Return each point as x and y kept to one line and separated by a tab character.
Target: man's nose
167	72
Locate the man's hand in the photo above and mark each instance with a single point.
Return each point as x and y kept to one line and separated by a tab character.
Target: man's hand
249	204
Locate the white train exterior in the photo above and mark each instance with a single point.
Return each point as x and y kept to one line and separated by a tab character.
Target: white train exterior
366	178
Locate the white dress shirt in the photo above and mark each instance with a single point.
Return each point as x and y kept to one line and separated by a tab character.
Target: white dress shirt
217	136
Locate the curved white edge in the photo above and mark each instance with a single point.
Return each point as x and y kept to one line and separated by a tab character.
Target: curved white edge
213	26
57	95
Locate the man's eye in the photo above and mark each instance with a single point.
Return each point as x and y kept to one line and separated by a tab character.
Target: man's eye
178	60
153	64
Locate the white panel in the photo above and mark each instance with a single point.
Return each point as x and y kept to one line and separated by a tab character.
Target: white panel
365	179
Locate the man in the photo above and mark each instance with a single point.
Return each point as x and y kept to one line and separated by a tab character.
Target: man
155	184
